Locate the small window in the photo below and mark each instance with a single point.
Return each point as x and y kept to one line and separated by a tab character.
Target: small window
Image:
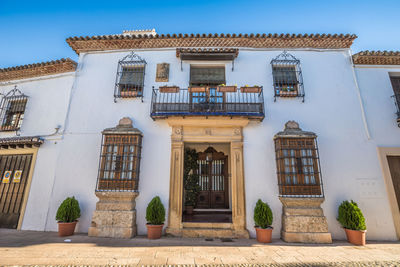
119	162
130	77
212	76
297	167
287	77
396	97
12	110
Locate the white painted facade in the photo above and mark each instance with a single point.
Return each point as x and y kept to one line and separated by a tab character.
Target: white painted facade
349	165
46	110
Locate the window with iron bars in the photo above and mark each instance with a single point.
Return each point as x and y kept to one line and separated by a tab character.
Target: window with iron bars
396	97
119	162
287	76
298	169
130	77
12	110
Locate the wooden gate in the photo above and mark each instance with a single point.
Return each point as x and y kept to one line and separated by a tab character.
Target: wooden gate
14	173
213	180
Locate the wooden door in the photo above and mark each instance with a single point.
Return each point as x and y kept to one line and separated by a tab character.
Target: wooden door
14	173
213	180
394	167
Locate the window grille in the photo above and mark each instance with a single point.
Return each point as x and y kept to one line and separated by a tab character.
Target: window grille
396	97
298	169
130	77
119	162
12	110
287	76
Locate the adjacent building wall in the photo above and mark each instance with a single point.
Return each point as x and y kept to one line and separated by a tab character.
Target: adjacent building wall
350	169
46	109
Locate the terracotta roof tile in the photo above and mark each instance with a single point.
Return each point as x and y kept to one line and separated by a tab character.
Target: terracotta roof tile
37	69
377	58
120	41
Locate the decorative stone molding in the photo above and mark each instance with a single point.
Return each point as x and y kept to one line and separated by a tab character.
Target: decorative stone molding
303	220
115	215
207	131
292	129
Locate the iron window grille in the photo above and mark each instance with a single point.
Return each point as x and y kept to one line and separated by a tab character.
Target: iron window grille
130	77
287	76
119	162
396	97
12	110
298	167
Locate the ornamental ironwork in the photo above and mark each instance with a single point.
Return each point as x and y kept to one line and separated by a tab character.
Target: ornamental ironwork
130	77
12	109
287	76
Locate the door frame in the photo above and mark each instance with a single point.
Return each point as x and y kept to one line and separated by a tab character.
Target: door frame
200	130
383	152
22	151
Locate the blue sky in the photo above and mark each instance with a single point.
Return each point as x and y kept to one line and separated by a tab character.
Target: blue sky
35	31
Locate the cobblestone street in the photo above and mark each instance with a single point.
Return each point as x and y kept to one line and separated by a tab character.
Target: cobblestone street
46	248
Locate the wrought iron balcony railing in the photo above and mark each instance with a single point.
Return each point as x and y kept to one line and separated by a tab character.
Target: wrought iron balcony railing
211	102
396	98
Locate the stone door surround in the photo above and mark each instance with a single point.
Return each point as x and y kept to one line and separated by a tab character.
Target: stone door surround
200	130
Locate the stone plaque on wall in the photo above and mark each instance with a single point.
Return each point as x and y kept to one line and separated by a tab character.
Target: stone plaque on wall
162	72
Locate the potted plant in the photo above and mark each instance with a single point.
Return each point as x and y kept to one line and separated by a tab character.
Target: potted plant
263	220
227	88
353	222
190	180
288	91
250	89
67	215
198	89
169	89
155	216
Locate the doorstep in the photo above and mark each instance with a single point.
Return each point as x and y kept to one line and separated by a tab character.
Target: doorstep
212	230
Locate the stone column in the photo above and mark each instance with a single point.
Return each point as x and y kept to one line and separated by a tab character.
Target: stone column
238	190
176	183
303	220
115	215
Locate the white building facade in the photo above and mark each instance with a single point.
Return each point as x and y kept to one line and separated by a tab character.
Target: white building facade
288	119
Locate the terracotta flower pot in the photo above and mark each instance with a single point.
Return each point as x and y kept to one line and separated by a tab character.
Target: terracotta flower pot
197	89
227	89
264	235
356	237
66	229
169	89
189	210
252	89
154	231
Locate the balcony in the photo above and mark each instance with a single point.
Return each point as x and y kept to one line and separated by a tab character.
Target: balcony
396	98
206	102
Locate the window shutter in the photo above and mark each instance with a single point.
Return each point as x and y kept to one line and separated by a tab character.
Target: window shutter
207	75
285	75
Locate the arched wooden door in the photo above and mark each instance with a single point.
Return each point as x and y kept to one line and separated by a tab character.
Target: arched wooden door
213	180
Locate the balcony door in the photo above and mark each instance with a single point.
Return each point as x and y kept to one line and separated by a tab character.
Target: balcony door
209	77
213	180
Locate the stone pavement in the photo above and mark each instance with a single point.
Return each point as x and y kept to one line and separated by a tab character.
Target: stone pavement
46	248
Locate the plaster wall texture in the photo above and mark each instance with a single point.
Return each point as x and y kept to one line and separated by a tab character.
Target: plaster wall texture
377	91
349	164
46	109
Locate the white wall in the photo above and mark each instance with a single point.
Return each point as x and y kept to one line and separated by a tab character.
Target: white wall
46	109
348	160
